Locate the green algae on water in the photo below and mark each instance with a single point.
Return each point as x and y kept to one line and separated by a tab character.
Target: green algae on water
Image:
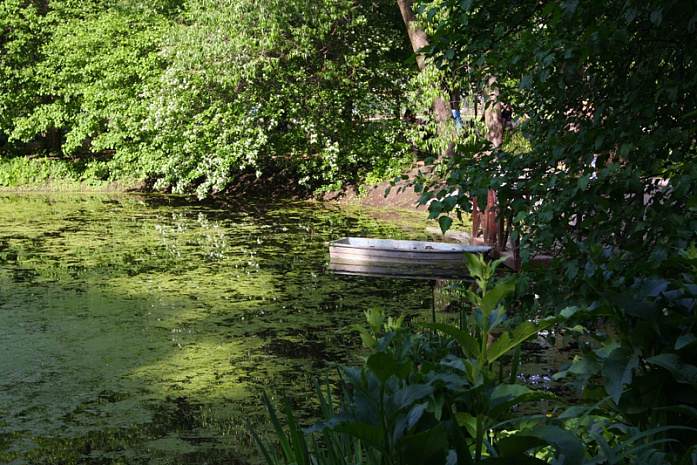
143	329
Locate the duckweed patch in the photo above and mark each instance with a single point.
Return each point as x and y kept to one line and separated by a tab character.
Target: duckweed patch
143	329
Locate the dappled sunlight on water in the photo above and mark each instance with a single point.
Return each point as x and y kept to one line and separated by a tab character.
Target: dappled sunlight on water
143	329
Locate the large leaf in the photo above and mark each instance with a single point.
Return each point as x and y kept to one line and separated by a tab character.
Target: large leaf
366	337
406	396
564	443
506	392
445	222
475	264
633	307
618	368
682	372
505	396
495	295
382	365
415	415
427	447
517	446
685	340
369	433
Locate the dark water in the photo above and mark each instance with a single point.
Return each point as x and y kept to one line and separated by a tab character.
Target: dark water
143	329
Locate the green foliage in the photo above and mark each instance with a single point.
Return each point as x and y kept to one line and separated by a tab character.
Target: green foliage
414	401
643	361
50	174
21	34
189	95
87	75
292	81
604	83
295	447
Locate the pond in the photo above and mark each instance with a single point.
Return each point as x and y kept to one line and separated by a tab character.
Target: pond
144	329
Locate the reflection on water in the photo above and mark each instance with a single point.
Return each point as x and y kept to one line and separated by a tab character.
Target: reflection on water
143	329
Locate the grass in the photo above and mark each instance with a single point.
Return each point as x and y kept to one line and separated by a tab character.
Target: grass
52	174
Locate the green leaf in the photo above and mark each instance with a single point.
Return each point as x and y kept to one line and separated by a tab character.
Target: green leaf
495	295
617	371
375	318
522	332
518	445
431	13
407	395
626	149
468	421
685	340
583	182
506	396
506	392
366	337
569	7
369	433
682	372
621	35
564	442
466	5
435	208
415	415
382	365
445	223
428	446
284	441
657	16
526	82
633	307
476	266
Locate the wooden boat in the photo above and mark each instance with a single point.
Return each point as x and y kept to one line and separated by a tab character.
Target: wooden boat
400	258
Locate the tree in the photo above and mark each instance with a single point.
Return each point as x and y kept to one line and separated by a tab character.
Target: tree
21	34
419	41
605	91
188	95
84	72
294	83
603	177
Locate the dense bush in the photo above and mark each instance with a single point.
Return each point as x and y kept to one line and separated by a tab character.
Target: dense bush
605	178
187	95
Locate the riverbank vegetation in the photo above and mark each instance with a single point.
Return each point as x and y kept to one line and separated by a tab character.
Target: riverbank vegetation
187	95
604	185
596	169
450	394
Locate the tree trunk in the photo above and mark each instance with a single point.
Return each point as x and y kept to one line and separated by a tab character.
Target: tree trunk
418	39
492	114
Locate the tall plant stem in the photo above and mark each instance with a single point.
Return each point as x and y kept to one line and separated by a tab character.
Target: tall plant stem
479	440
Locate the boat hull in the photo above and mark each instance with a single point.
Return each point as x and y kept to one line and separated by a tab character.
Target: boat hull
400	258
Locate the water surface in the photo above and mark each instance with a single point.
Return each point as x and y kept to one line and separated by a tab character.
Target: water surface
143	329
